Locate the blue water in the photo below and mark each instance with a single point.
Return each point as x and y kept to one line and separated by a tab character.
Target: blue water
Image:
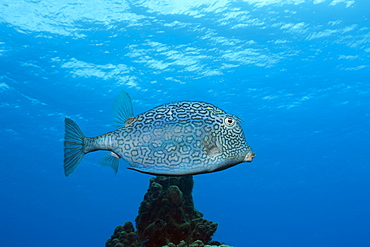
296	72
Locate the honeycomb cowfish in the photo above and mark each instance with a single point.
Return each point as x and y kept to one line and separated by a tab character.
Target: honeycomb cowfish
179	138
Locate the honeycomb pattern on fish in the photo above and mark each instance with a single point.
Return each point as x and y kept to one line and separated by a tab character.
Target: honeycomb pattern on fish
181	136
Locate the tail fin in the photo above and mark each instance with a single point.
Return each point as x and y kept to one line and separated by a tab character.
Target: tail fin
73	146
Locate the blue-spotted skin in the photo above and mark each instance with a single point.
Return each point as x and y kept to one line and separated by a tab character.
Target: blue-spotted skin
180	138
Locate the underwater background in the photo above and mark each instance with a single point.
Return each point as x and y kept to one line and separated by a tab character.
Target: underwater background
295	71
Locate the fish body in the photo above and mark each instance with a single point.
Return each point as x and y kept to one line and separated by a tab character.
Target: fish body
178	138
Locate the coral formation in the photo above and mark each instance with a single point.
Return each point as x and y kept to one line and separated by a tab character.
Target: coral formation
197	243
166	217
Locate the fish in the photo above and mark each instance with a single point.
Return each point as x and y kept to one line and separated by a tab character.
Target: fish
173	139
144	241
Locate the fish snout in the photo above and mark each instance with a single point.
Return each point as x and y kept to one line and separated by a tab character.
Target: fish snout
250	155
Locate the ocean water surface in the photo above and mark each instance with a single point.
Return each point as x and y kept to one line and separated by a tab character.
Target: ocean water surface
295	71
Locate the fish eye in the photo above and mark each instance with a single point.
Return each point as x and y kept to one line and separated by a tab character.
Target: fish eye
229	121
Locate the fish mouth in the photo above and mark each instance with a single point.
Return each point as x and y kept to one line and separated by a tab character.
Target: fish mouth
250	155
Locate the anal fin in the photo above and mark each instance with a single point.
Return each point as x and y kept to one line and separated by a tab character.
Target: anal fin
111	159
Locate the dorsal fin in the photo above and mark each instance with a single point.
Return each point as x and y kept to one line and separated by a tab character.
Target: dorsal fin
122	109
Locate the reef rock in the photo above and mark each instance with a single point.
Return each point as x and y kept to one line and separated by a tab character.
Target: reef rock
197	243
166	217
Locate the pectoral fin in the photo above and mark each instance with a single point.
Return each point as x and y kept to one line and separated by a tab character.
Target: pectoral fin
213	148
